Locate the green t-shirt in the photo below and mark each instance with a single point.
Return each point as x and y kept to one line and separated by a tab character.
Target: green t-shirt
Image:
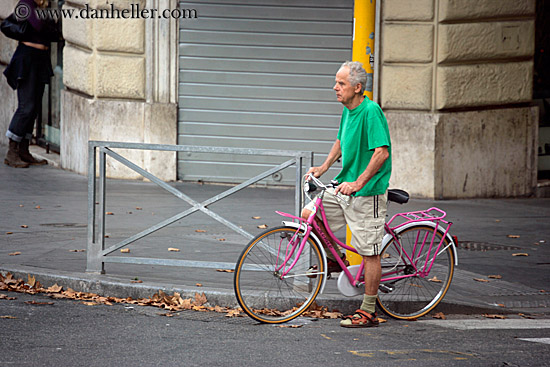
361	131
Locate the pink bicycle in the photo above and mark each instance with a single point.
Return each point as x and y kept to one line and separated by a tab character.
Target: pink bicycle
282	270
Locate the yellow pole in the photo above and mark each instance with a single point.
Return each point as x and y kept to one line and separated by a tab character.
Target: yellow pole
363	51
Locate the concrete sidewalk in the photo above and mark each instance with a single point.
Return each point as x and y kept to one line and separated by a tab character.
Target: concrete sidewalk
43	216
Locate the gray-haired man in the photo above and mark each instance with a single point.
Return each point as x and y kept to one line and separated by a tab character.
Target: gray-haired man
363	143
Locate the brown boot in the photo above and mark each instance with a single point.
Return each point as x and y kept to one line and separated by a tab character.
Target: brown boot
26	156
12	158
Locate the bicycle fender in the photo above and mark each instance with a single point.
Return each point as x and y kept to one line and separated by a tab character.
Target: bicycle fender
387	238
302	227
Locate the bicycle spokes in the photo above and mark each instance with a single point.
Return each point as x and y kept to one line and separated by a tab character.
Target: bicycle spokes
417	268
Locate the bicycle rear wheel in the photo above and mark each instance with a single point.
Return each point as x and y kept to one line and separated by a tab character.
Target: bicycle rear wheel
261	290
415	292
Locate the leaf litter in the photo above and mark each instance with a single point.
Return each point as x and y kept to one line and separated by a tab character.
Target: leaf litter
171	303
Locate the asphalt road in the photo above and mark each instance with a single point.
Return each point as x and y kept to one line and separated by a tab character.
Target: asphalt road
40	331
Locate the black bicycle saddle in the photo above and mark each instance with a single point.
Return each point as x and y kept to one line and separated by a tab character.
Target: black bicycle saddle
398	196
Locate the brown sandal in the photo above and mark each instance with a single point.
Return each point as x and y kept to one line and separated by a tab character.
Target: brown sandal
360	319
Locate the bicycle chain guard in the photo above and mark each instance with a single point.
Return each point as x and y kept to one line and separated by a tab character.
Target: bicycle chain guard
345	287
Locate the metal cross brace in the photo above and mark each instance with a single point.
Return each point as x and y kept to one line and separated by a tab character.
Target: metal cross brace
196	206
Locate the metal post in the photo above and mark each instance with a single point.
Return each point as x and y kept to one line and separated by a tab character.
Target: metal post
100	242
298	187
93	249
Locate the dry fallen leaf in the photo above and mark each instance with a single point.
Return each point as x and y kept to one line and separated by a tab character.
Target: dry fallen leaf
200	299
8	317
256	217
24	226
54	289
493	316
482	280
233	313
172	249
37	207
138	208
513	236
14	253
225	270
521	254
440	315
9	232
221	239
381	320
81	250
435	280
109	213
332	315
136	281
31	280
4	296
200	230
495	276
125	250
262	226
198	285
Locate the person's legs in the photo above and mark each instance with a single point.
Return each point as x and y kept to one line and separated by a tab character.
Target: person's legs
373	273
18	128
367	227
24	152
29	97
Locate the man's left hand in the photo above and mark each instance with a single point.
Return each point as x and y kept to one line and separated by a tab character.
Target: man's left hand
348	188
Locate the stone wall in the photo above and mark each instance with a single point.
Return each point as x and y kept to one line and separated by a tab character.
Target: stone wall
109	81
456	78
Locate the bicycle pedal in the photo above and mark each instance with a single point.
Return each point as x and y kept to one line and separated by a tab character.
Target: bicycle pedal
385	288
312	269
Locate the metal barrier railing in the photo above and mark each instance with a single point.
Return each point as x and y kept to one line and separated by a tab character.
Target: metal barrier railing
97	253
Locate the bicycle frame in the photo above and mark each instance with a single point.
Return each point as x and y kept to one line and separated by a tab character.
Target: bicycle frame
432	217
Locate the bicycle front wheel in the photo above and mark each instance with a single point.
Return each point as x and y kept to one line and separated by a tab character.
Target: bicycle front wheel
265	287
417	278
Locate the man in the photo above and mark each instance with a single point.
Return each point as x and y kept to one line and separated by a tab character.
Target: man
363	144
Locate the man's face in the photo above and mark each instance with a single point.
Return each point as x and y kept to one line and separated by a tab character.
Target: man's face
345	92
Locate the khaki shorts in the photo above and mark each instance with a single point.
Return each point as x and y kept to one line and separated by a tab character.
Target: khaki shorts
364	215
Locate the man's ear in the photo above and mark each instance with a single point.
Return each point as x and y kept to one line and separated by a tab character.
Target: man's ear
358	88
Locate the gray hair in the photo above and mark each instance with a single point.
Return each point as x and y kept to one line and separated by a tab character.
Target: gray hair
357	74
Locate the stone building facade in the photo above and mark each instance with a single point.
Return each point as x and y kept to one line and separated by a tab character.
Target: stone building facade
455	80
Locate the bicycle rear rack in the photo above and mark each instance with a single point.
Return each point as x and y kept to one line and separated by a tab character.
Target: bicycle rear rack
432	215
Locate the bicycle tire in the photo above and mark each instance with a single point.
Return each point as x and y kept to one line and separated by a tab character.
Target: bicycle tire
259	289
415	296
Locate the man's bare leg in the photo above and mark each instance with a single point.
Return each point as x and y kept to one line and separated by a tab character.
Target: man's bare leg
373	273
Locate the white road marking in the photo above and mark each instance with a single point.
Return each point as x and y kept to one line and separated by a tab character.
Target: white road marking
537	340
477	324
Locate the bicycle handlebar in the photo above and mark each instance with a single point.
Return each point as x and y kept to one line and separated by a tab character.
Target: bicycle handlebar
312	183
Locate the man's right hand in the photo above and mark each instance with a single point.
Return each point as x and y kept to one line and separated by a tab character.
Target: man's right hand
316	171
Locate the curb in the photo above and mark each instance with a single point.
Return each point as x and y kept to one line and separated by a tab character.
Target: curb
109	286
